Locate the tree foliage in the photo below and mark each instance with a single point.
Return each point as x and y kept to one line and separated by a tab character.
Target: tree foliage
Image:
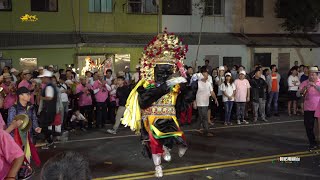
299	15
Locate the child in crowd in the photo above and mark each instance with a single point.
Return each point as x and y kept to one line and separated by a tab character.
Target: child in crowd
242	96
228	89
78	120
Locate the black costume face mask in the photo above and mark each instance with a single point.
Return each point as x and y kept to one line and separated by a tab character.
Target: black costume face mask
162	72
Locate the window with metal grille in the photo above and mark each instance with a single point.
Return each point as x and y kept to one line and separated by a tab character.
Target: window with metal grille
176	7
5	5
214	7
142	6
264	59
100	6
44	5
254	8
231	61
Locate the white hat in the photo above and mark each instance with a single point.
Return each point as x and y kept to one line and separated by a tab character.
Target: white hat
40	68
69	82
221	68
26	71
313	69
126	67
50	66
46	73
227	74
242	72
12	70
137	66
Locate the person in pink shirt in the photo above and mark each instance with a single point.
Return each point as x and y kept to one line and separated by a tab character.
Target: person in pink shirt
100	90
9	88
28	84
11	155
84	92
310	90
242	96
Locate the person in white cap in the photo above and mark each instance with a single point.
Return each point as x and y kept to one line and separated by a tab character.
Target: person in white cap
136	75
40	69
218	81
242	96
14	74
228	89
127	75
50	68
310	90
49	106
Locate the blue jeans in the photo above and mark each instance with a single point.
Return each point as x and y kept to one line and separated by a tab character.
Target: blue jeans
273	97
227	111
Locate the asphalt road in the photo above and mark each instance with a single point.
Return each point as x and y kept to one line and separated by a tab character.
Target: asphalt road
235	152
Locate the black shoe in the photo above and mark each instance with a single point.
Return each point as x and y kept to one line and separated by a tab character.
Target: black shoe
276	114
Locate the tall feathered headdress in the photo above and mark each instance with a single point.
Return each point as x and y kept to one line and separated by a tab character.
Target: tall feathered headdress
165	48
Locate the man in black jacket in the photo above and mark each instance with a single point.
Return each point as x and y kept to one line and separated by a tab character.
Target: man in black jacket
258	95
123	92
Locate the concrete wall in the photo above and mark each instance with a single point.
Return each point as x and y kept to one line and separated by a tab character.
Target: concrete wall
220	50
192	23
233	20
302	55
269	23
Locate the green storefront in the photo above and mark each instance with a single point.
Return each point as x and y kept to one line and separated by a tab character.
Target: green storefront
66	29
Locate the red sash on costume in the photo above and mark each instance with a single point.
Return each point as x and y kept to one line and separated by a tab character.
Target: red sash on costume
33	150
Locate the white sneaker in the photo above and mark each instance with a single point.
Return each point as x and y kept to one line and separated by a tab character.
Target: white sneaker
182	151
238	122
166	154
111	131
158	172
245	122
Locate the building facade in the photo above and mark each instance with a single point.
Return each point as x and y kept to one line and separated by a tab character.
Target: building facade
66	29
254	22
243	32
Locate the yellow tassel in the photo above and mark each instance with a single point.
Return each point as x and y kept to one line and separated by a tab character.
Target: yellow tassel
27	150
132	114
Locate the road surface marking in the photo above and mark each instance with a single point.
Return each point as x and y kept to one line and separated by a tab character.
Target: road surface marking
215	165
190	130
